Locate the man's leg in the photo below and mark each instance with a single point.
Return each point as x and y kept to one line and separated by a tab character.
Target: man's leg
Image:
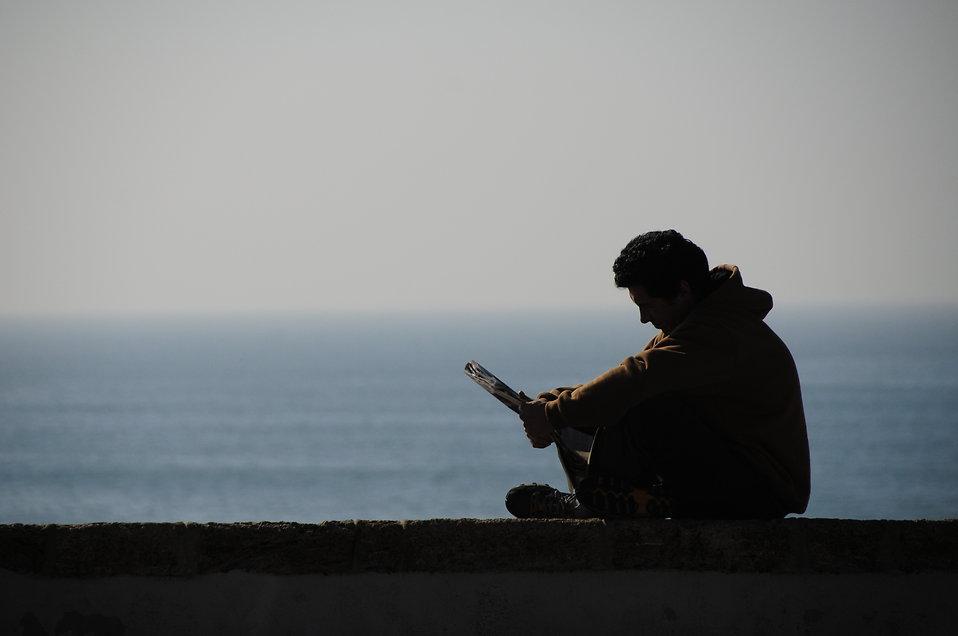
574	447
663	444
543	501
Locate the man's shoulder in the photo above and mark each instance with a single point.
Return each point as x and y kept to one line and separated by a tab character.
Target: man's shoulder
722	327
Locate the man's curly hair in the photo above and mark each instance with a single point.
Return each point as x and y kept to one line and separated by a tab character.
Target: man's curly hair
658	261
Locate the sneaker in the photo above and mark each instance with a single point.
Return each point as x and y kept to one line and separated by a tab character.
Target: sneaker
539	501
612	497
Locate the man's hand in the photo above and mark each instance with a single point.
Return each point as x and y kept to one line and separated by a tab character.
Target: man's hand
533	415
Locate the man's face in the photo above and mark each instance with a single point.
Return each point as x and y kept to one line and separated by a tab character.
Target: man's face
663	313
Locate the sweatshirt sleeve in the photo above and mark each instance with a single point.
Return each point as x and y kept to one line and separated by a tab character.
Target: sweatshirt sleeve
669	365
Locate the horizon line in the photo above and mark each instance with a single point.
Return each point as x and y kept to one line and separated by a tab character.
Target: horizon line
943	305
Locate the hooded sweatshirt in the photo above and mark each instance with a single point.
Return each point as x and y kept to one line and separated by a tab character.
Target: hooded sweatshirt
730	366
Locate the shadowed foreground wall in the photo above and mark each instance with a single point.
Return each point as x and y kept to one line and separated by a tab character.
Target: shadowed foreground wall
792	576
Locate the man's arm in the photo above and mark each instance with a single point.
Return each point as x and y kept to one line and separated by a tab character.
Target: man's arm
670	365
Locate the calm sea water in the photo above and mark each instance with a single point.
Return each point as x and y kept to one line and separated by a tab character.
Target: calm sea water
316	417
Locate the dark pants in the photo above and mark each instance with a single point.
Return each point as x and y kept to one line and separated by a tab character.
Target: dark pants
664	441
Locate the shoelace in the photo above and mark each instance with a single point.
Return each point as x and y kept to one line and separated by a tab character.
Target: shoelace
553	503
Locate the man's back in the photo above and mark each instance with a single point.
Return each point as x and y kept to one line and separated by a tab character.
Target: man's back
756	400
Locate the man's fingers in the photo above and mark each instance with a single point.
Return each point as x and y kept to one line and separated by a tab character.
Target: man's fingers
539	442
527	407
534	422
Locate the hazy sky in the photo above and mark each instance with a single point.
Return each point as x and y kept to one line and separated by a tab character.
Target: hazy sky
206	156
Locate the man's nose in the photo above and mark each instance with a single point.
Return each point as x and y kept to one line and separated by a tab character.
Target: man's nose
643	317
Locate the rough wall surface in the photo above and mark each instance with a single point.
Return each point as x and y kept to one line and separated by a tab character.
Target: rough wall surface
475	576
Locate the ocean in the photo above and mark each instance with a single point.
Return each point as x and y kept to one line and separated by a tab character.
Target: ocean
370	416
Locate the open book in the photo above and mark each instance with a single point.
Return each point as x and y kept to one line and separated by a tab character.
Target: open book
496	387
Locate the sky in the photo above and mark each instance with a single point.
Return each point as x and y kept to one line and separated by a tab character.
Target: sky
184	157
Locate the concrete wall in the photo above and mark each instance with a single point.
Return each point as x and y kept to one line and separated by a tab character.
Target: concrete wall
469	576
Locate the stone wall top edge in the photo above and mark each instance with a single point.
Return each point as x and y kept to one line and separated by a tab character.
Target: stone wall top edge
795	545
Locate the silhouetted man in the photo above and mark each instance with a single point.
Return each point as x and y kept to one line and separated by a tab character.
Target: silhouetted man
705	421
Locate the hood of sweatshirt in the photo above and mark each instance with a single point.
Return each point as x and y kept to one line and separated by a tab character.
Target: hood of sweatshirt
727	292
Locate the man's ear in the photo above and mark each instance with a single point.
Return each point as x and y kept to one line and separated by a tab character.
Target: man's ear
685	290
